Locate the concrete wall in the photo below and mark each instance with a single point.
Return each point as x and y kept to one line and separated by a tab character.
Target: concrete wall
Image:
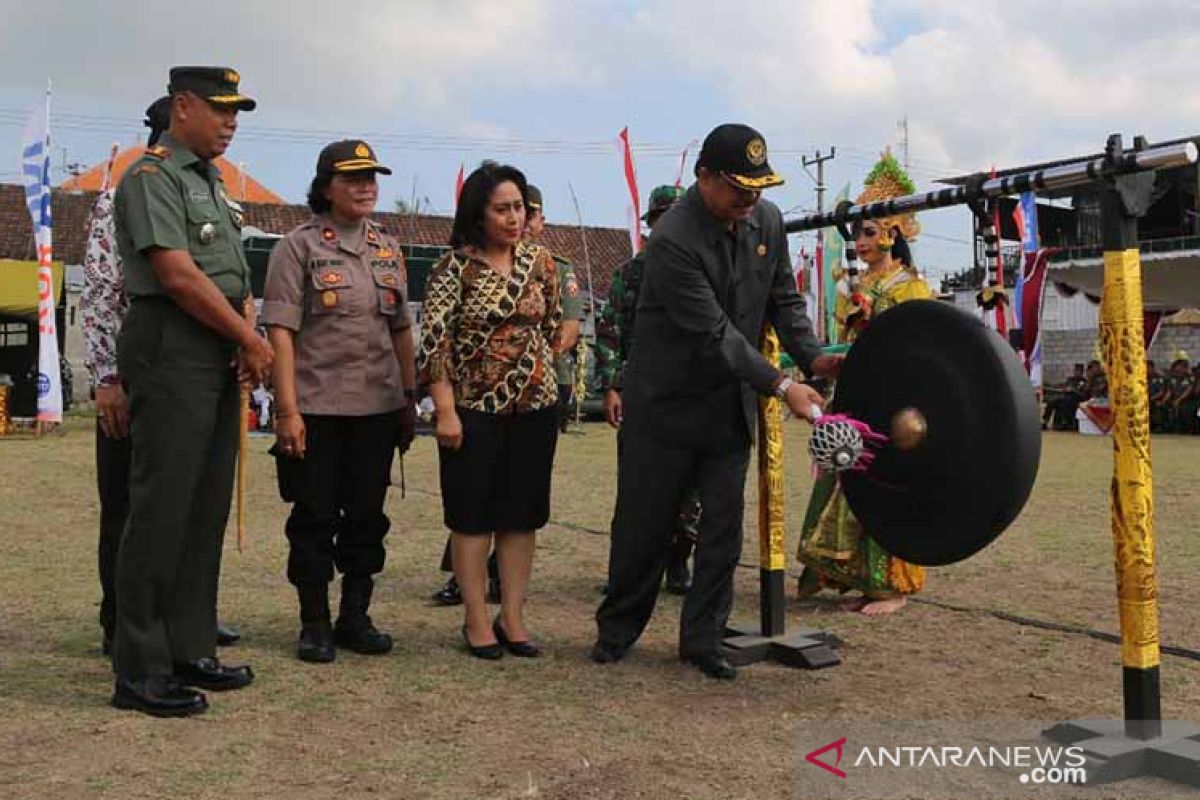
1063	349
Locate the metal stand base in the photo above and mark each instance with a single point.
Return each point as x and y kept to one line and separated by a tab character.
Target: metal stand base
806	648
1114	756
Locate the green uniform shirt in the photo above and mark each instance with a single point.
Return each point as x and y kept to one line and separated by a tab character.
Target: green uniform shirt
572	308
614	331
170	198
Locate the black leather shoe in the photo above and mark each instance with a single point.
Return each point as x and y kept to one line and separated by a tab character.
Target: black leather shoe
679	580
360	636
493	592
226	635
488	652
606	653
448	595
525	649
211	674
712	665
158	697
316	643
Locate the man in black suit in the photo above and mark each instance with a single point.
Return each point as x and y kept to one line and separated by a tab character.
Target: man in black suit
717	271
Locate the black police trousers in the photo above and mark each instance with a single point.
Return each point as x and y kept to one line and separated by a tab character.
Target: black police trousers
654	478
342	483
184	412
112	482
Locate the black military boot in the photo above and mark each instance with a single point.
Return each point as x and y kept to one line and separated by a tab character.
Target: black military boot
316	634
353	629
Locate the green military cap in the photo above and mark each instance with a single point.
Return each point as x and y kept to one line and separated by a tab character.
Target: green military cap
217	85
533	198
349	155
739	153
662	198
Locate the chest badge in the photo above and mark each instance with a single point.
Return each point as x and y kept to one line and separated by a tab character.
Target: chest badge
207	233
332	277
762	249
329	298
328	235
388	279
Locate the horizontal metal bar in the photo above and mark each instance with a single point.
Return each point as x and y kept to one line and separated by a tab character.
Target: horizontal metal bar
1051	178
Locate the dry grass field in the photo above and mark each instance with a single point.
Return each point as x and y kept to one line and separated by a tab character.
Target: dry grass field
429	722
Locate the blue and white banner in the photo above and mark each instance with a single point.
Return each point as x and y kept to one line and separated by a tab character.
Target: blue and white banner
35	175
1029	232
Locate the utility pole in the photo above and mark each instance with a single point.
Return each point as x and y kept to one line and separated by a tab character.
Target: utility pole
805	162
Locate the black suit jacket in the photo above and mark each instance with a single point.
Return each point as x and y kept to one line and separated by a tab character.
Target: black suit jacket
695	371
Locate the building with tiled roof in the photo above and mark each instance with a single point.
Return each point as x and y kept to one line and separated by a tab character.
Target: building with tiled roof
239	183
607	248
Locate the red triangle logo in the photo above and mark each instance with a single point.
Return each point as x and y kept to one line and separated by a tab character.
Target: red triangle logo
814	757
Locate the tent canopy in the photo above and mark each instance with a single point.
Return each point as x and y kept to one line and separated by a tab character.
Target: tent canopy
1170	280
19	289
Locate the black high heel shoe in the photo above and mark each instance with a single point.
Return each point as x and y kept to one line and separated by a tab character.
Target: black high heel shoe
525	649
489	652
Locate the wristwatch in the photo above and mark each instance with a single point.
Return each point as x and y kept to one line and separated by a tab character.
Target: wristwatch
782	387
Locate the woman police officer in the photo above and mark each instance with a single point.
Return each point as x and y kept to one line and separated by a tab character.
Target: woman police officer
336	311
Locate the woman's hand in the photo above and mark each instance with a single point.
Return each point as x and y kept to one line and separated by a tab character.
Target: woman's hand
448	429
290	434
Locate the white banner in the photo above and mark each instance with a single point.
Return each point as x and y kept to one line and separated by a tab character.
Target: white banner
35	175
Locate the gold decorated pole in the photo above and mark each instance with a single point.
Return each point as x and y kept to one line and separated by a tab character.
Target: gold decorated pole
243	437
771	526
1121	336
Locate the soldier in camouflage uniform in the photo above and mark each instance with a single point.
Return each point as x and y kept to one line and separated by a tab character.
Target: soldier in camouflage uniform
614	340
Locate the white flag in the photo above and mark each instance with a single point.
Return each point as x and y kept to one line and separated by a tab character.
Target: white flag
35	175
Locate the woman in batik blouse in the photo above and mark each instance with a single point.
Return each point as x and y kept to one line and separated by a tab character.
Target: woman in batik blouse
491	317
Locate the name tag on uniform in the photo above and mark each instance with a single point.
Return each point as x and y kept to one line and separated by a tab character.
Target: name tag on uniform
199	197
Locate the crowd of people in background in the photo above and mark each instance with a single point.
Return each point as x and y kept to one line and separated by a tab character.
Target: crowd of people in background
1174	396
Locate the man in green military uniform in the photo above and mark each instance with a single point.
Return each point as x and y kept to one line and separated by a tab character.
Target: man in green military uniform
614	341
572	311
185	343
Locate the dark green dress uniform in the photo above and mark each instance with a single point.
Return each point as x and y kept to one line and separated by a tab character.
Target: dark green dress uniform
183	398
565	363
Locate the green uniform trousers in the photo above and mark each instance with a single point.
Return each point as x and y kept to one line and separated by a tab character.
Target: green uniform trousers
183	399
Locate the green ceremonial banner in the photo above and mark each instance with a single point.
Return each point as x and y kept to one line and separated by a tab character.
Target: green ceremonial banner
831	263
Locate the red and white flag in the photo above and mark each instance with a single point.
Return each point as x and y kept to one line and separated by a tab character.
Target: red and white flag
458	184
635	206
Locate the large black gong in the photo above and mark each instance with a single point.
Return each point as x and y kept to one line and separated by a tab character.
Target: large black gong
967	480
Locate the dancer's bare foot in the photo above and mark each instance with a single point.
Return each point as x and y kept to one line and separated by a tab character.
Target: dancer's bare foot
853	604
890	605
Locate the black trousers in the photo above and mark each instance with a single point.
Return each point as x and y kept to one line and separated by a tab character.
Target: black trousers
112	482
687	525
337	519
653	479
183	405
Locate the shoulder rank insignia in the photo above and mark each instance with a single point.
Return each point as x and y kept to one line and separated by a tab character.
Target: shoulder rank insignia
148	168
327	234
158	151
372	236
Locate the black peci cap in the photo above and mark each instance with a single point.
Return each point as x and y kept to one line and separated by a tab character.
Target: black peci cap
158	118
740	153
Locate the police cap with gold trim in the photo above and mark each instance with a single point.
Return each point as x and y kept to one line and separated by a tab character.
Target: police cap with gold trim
740	154
217	85
349	155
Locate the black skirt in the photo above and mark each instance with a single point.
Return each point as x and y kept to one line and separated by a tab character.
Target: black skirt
499	480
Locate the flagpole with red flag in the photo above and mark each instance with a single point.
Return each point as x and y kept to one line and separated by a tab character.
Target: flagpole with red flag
635	208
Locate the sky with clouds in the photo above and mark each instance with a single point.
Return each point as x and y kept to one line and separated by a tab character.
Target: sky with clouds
547	85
